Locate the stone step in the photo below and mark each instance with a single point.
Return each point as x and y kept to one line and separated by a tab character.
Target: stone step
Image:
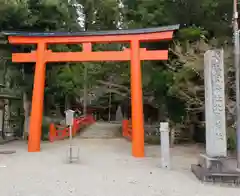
101	130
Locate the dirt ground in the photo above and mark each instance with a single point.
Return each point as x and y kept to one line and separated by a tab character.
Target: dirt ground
105	168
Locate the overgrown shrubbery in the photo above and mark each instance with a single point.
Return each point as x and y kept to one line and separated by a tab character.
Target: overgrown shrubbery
45	130
45	126
231	139
175	86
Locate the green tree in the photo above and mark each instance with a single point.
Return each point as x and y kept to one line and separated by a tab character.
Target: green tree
177	82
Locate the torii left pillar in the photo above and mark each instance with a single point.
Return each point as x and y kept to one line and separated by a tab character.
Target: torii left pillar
37	99
136	100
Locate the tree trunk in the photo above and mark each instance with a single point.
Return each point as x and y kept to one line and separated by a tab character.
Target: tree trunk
26	107
85	96
7	112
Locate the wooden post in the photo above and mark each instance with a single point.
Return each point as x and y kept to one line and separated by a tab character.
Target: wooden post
37	101
125	128
52	132
137	103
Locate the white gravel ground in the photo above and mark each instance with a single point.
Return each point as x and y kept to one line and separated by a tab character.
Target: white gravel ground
106	168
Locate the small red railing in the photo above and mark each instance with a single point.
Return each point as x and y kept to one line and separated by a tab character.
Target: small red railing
57	132
127	129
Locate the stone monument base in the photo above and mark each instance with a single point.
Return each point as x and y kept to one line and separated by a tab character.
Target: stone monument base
216	170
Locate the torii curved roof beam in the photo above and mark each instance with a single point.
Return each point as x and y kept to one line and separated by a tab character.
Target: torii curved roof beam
92	33
150	34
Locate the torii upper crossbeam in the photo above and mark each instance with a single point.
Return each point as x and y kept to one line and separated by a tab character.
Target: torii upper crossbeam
134	54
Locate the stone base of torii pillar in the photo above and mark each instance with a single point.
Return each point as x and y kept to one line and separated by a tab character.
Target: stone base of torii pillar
215	166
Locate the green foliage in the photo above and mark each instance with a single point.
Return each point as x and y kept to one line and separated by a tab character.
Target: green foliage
192	33
152	140
45	130
100	14
231	139
13	14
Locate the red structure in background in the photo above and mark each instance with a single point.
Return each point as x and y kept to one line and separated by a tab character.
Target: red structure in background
135	54
61	132
126	129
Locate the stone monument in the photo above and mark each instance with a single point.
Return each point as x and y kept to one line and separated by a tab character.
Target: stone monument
119	115
216	144
214	165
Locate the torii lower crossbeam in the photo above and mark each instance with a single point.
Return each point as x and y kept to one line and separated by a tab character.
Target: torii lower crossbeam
135	54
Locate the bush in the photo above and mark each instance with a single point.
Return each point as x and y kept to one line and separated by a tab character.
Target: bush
45	130
231	139
152	139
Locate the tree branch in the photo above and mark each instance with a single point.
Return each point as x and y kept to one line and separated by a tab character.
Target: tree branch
113	85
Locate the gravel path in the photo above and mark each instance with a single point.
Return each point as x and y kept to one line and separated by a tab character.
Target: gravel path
106	168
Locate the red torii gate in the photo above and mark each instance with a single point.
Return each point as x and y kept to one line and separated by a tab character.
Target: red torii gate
134	54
